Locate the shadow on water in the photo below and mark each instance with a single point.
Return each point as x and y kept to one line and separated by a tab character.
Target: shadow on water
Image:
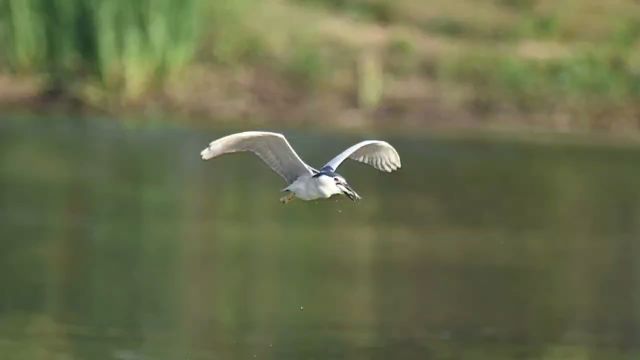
123	244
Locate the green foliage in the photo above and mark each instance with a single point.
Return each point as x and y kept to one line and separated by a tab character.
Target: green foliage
539	26
126	44
307	65
522	5
401	45
382	11
230	34
530	53
459	29
402	57
587	77
627	32
446	26
23	33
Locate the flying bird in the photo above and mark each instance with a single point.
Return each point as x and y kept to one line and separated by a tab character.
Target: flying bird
304	181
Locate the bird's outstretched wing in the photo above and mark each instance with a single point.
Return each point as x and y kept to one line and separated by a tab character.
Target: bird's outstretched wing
272	148
376	153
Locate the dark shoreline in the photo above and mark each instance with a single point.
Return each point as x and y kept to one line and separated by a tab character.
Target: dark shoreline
431	119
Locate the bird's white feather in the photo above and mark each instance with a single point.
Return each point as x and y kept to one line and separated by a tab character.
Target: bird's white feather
376	153
272	148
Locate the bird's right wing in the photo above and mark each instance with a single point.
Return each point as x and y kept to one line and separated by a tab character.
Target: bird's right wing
272	148
376	153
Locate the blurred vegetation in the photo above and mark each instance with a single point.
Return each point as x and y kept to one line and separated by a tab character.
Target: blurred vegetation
522	57
127	45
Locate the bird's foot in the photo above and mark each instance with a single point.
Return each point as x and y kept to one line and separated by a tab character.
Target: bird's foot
287	198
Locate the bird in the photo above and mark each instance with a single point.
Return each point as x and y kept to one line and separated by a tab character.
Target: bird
303	181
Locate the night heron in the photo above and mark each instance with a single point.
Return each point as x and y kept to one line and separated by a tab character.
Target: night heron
305	182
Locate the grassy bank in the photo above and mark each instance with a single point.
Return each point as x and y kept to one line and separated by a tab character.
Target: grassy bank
571	65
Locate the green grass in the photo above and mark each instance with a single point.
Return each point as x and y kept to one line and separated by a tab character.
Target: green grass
126	45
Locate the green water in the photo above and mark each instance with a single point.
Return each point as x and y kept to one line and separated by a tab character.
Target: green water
121	243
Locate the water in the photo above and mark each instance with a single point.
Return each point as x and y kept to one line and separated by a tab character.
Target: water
121	243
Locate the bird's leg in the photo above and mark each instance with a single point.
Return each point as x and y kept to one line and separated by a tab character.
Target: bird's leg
287	198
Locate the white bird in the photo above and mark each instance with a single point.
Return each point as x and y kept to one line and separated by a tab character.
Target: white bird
303	181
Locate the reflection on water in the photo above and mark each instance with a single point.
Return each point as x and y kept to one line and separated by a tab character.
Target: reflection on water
123	244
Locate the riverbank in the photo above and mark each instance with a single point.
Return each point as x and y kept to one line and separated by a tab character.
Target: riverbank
517	65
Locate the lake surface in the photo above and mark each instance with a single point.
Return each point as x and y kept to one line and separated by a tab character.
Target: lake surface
120	243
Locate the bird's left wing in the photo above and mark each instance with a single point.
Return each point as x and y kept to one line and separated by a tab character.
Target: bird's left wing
376	153
272	148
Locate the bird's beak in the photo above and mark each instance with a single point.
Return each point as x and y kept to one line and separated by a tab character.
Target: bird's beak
349	192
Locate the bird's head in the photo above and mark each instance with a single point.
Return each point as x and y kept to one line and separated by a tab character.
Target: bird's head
345	188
